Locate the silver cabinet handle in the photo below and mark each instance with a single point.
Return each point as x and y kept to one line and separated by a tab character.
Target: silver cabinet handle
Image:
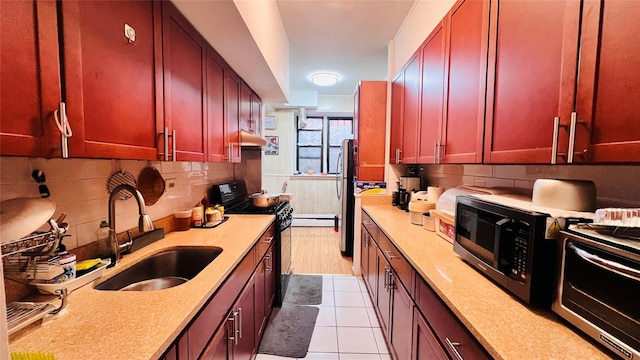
240	323
435	152
572	137
398	151
386	278
267	259
554	146
165	147
453	345
390	255
173	145
269	240
233	319
392	282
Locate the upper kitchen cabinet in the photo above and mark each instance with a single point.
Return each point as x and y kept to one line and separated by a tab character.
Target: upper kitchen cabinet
532	70
111	77
30	91
232	85
607	126
432	97
370	104
396	118
250	107
405	93
217	145
184	55
463	128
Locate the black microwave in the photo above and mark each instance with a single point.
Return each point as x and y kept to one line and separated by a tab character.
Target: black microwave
508	245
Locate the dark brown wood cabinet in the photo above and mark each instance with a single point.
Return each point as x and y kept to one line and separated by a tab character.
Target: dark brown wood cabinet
184	57
401	331
369	116
256	114
395	147
405	111
425	344
245	108
30	88
608	87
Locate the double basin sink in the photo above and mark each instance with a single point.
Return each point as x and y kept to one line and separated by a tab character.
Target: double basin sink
163	270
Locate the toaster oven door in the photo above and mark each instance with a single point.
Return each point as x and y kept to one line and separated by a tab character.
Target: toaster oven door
598	291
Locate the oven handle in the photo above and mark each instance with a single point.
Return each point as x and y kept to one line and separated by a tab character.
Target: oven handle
609	265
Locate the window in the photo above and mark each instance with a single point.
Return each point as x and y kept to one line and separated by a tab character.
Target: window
319	141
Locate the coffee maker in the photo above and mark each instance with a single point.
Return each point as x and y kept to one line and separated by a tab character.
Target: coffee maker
406	186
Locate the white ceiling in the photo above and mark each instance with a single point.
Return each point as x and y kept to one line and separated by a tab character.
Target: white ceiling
349	37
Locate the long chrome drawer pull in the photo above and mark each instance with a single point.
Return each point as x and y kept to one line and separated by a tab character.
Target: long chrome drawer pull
452	345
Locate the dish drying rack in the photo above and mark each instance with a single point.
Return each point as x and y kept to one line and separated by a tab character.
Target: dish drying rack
17	255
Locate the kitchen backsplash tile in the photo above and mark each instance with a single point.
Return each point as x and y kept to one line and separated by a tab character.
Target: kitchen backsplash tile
79	188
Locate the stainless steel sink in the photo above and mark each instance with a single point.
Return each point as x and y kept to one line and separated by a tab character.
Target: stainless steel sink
163	270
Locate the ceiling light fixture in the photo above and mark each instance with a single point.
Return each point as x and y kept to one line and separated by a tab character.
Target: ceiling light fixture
325	79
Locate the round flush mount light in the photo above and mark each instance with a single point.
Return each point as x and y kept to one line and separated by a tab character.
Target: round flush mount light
325	79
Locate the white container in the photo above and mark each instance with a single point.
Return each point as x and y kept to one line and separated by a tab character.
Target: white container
70	285
428	222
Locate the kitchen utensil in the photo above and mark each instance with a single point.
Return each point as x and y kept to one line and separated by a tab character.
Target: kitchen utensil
118	178
151	185
263	199
284	186
21	216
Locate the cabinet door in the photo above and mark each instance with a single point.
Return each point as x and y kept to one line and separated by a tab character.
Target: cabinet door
30	87
260	298
383	300
369	113
411	111
466	69
270	282
401	320
532	67
608	128
364	252
112	84
184	56
395	148
256	113
432	97
218	347
245	108
216	144
425	344
372	279
232	115
245	309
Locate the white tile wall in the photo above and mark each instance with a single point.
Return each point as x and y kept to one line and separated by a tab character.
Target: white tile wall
79	188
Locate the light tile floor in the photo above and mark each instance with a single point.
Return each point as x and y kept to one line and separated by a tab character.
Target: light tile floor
347	327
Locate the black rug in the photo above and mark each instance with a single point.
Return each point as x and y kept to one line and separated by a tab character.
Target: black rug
289	331
290	328
303	290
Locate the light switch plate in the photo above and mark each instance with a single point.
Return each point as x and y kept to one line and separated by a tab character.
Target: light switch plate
130	33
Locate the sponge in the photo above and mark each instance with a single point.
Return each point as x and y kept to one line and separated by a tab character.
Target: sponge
87	264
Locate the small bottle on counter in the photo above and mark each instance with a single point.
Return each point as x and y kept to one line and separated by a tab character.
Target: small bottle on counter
197	215
102	235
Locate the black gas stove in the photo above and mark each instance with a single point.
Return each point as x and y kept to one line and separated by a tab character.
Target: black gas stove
235	199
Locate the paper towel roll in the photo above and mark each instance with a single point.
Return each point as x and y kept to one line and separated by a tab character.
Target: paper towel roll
433	193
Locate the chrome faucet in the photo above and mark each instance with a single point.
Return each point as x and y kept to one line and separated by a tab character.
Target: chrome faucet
144	222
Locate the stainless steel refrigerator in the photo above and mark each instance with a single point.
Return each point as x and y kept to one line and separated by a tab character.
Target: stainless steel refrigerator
344	188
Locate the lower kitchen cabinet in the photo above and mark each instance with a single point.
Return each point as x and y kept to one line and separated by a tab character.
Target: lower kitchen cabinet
425	342
230	324
415	322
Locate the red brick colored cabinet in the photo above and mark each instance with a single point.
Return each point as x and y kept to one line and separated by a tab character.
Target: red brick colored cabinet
370	104
395	147
30	78
463	129
433	52
401	332
256	114
184	56
232	85
216	145
608	125
532	70
245	107
411	111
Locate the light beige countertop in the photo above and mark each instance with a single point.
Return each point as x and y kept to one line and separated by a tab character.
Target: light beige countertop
504	326
142	325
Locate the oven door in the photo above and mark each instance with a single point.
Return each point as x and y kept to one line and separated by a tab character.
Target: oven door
598	291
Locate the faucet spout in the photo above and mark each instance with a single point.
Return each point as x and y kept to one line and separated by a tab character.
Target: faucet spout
144	222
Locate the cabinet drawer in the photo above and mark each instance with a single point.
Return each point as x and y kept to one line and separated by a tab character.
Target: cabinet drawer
216	309
446	326
368	224
265	242
400	265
